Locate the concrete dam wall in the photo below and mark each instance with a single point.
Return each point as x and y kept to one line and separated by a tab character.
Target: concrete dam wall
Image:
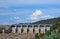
27	28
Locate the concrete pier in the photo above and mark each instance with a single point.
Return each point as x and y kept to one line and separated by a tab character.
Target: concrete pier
19	29
36	28
13	29
30	29
25	28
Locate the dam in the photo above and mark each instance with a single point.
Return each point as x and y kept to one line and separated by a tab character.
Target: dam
30	28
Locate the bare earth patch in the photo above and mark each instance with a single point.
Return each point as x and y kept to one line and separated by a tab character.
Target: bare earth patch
16	36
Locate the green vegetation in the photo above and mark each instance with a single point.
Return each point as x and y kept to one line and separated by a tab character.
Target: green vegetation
54	33
48	21
1	27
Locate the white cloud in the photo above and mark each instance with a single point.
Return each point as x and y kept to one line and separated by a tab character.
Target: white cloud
47	16
17	19
7	23
12	20
38	15
35	15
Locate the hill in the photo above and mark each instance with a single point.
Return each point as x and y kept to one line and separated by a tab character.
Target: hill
48	21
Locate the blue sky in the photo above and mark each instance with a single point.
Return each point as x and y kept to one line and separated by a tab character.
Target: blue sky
26	11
